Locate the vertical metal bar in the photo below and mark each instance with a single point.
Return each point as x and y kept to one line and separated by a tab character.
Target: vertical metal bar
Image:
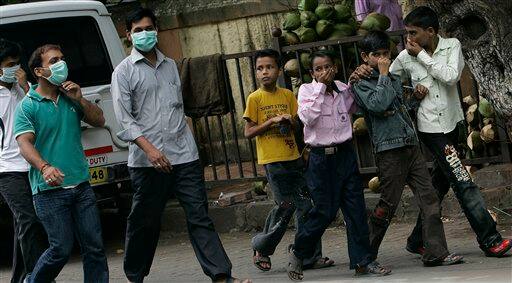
502	137
233	127
212	156
253	73
300	65
242	94
343	68
224	150
357	53
282	80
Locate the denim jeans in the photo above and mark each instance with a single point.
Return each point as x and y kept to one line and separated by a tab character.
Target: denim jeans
291	195
448	171
66	213
30	240
152	191
397	167
334	182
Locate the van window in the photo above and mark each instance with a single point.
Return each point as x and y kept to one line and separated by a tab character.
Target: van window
79	38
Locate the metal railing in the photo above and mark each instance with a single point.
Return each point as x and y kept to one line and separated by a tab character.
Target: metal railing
234	158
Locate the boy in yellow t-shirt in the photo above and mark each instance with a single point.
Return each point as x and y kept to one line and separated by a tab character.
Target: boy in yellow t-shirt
270	117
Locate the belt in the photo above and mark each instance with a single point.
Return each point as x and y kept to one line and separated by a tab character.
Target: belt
327	150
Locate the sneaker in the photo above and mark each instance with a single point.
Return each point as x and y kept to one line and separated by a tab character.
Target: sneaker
415	250
372	269
448	260
499	249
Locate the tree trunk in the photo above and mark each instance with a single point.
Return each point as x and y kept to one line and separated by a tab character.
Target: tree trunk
484	28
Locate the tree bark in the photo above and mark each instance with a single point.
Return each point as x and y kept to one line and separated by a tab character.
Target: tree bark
484	28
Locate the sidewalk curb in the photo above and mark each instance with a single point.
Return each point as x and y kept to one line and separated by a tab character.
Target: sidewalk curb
251	216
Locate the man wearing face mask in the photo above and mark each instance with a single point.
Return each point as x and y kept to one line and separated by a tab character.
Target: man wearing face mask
29	236
163	157
47	128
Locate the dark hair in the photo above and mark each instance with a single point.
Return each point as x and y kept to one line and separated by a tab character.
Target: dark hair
9	49
269	53
138	15
374	41
36	59
422	17
322	54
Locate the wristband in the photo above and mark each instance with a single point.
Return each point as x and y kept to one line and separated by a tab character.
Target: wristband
44	167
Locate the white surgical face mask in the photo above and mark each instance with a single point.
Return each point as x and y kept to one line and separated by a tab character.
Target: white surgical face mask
9	74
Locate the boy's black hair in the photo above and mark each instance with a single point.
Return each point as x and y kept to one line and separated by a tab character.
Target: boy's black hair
374	41
322	54
138	15
9	49
423	17
269	53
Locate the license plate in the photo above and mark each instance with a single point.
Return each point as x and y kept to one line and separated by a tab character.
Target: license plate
98	175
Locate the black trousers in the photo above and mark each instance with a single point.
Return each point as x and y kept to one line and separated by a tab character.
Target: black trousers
30	239
398	167
449	172
152	190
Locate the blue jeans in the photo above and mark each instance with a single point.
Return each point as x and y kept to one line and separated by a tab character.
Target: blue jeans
291	195
334	183
449	172
66	213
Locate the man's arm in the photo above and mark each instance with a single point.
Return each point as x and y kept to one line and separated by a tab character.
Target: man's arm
93	115
52	175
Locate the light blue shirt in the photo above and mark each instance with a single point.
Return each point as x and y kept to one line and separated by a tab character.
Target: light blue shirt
148	102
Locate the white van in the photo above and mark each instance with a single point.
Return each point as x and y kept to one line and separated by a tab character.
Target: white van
92	49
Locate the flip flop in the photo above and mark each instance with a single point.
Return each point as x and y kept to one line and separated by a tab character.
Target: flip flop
258	259
320	263
294	267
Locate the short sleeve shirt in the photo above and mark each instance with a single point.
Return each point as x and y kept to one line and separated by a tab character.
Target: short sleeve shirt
57	130
273	145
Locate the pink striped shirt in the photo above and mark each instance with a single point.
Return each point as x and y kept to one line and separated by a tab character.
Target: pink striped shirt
326	116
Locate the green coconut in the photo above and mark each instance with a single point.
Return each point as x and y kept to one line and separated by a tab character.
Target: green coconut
292	67
343	12
346	29
308	19
291	38
376	21
475	142
306	78
488	134
374	185
291	21
324	28
305	60
325	12
306	34
359	127
308	5
485	108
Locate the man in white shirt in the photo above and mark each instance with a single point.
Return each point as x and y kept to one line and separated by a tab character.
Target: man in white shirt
436	63
30	238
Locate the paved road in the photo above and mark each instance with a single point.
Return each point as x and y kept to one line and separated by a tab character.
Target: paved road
175	261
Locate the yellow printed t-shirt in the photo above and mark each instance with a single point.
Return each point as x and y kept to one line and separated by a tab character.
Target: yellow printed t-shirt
272	146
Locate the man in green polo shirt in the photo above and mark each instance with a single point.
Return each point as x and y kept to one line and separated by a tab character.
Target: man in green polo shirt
47	128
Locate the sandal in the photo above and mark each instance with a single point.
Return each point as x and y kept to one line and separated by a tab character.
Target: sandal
448	260
294	267
373	269
259	260
320	263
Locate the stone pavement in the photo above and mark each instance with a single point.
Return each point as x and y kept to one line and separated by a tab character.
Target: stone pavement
175	260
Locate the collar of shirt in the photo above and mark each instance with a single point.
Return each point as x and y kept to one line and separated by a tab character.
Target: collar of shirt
136	56
441	44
